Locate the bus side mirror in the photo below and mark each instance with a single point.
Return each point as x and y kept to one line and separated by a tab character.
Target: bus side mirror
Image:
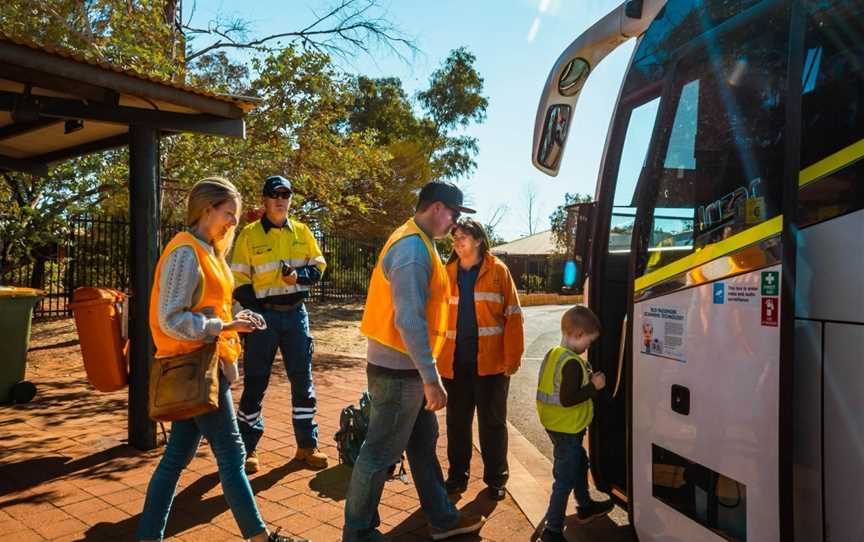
554	136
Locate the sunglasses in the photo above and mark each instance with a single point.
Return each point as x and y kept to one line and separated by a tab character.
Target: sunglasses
279	195
456	213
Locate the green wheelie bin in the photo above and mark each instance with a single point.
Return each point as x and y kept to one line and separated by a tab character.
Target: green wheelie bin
16	312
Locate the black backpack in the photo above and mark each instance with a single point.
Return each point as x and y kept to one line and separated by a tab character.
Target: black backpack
353	426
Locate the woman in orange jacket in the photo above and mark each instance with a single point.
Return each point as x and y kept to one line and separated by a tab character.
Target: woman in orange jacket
482	350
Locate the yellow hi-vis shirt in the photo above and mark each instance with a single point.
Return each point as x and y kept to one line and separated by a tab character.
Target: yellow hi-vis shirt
553	415
258	257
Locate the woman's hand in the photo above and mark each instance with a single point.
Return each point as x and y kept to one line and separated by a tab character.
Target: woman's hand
240	326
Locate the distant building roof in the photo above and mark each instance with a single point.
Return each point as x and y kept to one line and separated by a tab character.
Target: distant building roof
541	243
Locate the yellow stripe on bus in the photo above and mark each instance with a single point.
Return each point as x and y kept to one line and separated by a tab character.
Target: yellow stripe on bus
704	255
832	163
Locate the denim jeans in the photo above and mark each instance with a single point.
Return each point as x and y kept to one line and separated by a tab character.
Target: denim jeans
570	471
220	430
289	332
398	422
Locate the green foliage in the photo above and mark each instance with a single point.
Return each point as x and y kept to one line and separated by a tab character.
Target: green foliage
533	283
558	219
134	34
355	148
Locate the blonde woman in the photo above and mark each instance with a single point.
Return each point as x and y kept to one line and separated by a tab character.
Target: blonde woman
191	304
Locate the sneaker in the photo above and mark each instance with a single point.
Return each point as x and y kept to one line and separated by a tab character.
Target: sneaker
313	457
276	537
252	465
497	493
552	536
467	524
594	510
455	487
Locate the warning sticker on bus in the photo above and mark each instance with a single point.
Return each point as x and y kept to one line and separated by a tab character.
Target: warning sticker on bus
664	332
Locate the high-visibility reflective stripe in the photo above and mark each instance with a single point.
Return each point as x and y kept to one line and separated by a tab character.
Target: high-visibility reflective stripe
450	334
549	398
492	330
280	290
266	267
241	268
249	418
710	252
488	296
303	416
553	398
304	409
296	262
832	163
512	309
454	300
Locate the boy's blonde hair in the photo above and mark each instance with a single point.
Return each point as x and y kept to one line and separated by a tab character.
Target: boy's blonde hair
580	318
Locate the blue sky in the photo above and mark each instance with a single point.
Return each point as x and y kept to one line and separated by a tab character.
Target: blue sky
516	42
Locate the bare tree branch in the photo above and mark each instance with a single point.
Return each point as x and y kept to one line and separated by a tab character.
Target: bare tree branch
347	28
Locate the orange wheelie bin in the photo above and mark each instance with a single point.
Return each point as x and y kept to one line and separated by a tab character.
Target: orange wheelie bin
98	317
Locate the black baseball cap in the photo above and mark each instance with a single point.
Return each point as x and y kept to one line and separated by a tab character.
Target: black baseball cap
447	193
275	183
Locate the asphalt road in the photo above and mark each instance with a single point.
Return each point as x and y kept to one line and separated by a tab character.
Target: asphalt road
542	332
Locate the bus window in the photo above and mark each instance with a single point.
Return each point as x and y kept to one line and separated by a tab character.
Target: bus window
633	155
832	112
719	164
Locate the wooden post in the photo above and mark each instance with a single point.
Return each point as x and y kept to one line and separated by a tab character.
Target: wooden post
144	200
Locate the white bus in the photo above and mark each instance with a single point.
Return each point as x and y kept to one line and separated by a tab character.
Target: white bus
734	323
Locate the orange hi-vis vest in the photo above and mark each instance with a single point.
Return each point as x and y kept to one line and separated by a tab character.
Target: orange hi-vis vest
216	290
379	315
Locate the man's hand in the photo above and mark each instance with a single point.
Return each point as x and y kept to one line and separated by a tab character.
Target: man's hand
599	380
436	396
291	279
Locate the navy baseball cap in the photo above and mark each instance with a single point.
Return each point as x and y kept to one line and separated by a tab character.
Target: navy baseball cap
447	193
275	183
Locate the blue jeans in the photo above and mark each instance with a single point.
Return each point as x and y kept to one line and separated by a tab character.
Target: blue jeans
397	422
289	332
220	430
570	471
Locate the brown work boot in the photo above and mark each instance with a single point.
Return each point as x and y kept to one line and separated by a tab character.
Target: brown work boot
313	457
468	523
252	464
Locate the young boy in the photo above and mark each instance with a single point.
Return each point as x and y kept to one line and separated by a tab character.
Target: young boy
565	396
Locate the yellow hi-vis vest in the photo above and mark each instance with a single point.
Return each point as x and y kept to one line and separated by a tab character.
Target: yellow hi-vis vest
258	257
379	315
553	415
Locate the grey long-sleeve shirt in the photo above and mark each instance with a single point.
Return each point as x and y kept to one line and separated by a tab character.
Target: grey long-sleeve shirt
179	290
408	268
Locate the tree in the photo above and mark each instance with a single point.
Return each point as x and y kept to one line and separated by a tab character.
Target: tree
531	212
558	219
491	224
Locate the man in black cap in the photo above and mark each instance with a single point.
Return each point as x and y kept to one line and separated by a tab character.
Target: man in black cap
276	262
405	320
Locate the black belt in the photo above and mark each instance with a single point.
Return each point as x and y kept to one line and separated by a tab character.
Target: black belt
282	308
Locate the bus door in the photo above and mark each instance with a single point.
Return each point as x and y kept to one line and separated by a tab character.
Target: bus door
706	277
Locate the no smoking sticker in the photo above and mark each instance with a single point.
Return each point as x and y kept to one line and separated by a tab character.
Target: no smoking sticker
770	311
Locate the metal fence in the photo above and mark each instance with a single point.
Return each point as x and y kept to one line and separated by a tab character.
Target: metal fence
95	252
535	274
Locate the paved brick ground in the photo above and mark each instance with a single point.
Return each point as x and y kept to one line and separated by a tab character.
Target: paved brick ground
66	472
